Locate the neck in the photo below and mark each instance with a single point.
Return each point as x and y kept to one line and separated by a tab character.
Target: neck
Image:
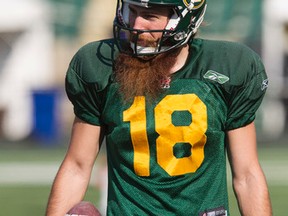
181	59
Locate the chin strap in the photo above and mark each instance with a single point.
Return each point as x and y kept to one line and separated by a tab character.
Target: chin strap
145	50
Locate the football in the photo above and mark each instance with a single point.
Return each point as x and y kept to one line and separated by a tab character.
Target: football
83	208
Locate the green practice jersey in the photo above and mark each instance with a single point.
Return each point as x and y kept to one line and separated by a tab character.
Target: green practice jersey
167	157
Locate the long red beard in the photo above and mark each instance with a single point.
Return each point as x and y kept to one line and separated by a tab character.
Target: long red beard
139	77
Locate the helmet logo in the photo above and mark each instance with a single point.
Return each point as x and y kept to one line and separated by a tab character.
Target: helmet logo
189	4
193	4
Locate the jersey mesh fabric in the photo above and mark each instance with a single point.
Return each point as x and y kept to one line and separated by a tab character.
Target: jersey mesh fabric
181	169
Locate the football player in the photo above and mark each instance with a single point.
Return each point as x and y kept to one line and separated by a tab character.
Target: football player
171	106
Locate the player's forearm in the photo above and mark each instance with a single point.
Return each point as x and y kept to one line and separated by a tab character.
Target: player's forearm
252	195
68	189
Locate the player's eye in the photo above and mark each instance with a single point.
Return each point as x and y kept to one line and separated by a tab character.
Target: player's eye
150	17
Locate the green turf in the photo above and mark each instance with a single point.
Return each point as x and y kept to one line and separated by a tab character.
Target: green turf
31	200
278	198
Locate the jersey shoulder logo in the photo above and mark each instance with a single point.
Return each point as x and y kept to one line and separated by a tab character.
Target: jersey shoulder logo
264	84
216	77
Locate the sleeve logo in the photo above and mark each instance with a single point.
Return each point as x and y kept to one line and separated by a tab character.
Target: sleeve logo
216	77
265	84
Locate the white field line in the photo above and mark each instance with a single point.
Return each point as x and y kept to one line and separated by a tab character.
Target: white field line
30	173
276	172
33	173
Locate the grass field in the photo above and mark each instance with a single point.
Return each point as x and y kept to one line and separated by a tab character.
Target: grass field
25	198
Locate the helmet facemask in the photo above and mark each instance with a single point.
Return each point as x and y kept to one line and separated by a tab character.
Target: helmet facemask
182	25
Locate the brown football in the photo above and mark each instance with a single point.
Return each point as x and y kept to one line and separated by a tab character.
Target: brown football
84	208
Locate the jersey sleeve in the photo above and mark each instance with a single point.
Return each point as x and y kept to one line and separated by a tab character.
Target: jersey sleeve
85	102
248	90
86	79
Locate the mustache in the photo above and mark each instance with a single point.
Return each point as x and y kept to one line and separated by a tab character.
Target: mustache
143	40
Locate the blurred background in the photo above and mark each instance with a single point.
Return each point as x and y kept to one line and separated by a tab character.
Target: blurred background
38	38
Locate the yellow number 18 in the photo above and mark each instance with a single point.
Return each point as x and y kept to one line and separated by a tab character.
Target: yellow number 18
169	134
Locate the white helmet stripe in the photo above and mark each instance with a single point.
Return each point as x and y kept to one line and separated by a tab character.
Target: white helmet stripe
143	3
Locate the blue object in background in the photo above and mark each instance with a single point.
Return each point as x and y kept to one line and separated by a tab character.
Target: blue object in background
46	128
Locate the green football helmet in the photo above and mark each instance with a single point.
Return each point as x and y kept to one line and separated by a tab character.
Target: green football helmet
187	15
